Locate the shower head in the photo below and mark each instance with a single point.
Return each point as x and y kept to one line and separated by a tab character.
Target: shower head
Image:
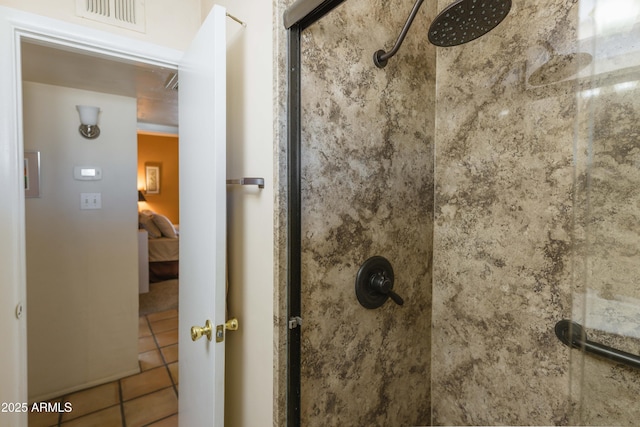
460	22
466	20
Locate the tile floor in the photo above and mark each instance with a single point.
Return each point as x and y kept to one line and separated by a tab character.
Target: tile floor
149	398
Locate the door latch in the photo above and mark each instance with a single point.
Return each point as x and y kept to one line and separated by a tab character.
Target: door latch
294	322
230	325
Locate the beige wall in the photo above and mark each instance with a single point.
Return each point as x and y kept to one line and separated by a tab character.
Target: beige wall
250	369
170	23
82	271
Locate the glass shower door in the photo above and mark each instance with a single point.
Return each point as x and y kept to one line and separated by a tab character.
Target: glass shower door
606	300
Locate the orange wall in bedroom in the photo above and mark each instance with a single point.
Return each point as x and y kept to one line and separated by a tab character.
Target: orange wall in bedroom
160	150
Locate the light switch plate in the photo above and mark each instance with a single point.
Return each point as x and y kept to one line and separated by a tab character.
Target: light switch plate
90	201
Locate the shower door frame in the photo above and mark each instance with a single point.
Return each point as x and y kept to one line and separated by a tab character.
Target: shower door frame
318	8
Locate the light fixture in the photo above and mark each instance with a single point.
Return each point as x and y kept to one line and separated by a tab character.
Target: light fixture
141	197
89	119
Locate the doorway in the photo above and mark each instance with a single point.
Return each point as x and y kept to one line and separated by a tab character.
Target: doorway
86	286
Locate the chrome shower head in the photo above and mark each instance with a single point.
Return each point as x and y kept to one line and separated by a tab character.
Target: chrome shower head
466	20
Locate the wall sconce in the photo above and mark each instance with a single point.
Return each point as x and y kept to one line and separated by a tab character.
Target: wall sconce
141	197
89	119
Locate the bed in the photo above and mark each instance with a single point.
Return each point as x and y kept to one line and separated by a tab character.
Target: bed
164	246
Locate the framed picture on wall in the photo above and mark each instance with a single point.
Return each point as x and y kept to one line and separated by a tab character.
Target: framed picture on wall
152	174
31	174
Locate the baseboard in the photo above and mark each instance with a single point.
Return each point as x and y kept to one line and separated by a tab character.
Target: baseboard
66	391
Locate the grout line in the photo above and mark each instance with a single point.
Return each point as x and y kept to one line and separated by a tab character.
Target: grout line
160	419
62	399
124	421
164	361
60	414
76	419
173	383
147	393
153	335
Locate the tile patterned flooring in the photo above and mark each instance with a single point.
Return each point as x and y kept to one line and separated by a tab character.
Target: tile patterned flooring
149	398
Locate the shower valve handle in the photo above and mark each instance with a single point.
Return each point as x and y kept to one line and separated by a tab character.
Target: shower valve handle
374	283
381	283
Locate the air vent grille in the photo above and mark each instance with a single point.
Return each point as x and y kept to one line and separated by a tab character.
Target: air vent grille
122	13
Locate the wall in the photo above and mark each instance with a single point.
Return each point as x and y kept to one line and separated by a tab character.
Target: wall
160	150
170	23
82	278
367	190
503	224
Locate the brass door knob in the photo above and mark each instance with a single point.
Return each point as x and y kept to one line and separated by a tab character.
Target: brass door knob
198	331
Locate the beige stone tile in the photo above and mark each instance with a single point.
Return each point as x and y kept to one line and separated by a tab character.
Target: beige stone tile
91	400
167	338
143	327
172	421
146	344
161	315
145	382
173	370
110	417
164	325
150	359
170	353
151	407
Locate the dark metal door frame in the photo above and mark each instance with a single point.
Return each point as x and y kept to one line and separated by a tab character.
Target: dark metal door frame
318	8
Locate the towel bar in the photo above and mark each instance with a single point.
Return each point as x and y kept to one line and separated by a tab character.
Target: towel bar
572	334
247	181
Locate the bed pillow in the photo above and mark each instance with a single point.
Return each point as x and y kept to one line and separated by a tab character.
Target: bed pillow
166	227
146	222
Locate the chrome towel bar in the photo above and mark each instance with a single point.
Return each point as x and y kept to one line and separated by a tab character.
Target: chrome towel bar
247	181
572	334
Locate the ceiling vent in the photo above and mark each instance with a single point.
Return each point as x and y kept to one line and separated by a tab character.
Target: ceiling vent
121	13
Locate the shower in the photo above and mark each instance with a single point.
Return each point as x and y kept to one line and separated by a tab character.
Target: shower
460	22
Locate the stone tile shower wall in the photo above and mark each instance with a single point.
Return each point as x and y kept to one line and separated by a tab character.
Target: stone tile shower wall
503	224
367	190
505	267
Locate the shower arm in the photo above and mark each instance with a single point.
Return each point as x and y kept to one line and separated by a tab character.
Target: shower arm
381	57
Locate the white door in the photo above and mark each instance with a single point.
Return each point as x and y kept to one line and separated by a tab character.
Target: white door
202	103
